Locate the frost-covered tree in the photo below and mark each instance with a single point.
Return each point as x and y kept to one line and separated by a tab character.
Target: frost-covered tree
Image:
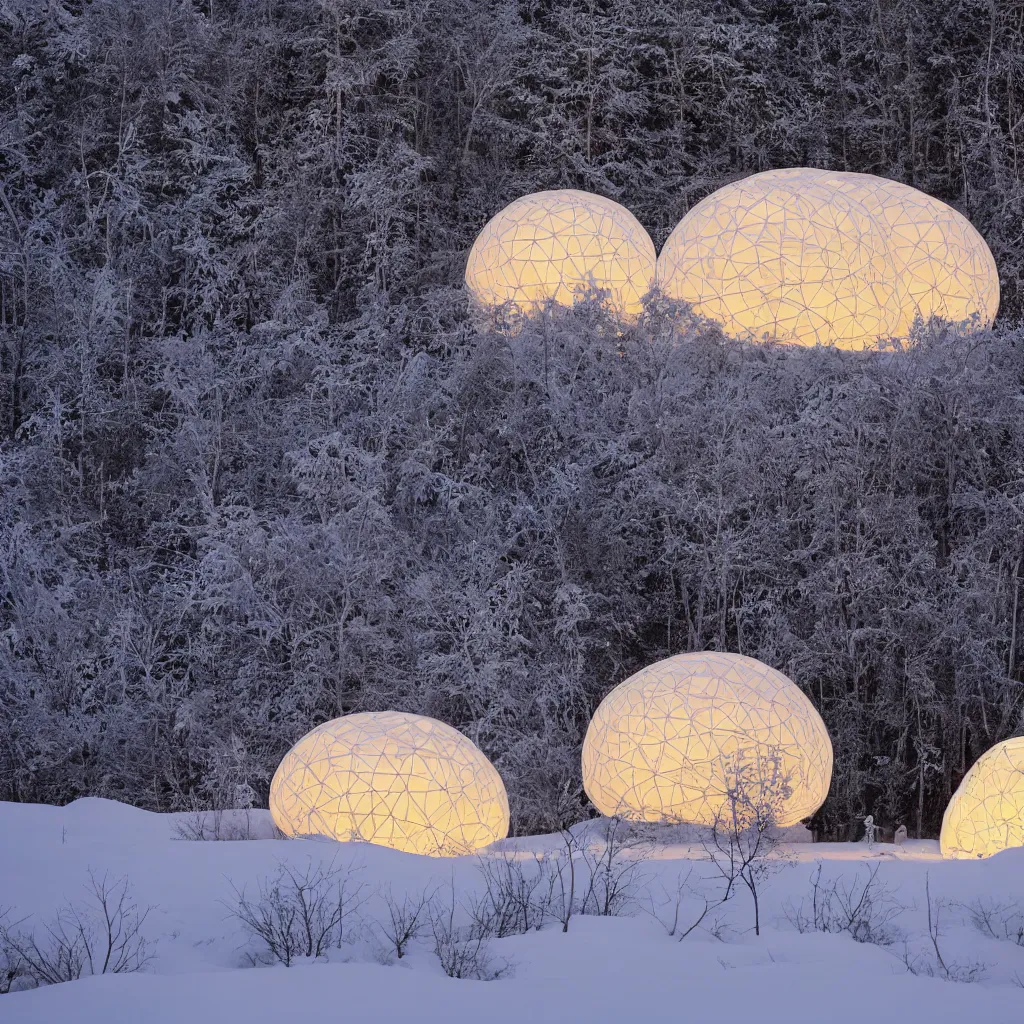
258	469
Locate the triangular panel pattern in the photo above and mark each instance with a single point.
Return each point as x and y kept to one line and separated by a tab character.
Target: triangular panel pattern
394	779
986	813
665	745
553	246
808	257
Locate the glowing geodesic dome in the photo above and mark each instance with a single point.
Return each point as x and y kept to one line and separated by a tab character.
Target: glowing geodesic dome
665	744
827	257
394	779
553	246
986	813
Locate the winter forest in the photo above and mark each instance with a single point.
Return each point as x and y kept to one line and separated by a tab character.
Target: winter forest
260	466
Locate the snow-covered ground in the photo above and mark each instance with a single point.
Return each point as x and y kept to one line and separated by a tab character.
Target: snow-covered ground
602	969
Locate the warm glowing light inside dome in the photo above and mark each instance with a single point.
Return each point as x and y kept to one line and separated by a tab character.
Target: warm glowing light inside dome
394	779
811	257
665	745
554	246
986	813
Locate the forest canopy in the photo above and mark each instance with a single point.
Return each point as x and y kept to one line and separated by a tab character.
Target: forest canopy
260	467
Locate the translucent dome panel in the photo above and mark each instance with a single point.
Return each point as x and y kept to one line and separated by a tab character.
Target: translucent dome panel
827	257
665	744
552	246
986	813
394	779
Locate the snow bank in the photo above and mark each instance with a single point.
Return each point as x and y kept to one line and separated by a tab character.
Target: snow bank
602	969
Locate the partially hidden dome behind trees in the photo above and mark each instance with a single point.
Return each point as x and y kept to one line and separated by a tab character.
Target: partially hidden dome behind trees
259	470
558	246
812	257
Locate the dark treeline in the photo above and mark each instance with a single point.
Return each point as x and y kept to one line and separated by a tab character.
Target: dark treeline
258	468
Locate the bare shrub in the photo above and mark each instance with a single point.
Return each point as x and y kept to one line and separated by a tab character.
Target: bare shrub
407	918
602	878
615	868
933	963
11	965
191	829
299	913
101	935
1002	921
464	952
744	835
514	898
864	909
584	877
218	826
11	969
667	912
561	880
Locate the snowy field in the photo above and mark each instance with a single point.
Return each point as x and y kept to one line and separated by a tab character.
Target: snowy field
604	968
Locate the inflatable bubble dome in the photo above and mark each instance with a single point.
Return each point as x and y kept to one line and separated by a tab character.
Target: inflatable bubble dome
810	257
669	742
394	779
554	246
986	813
